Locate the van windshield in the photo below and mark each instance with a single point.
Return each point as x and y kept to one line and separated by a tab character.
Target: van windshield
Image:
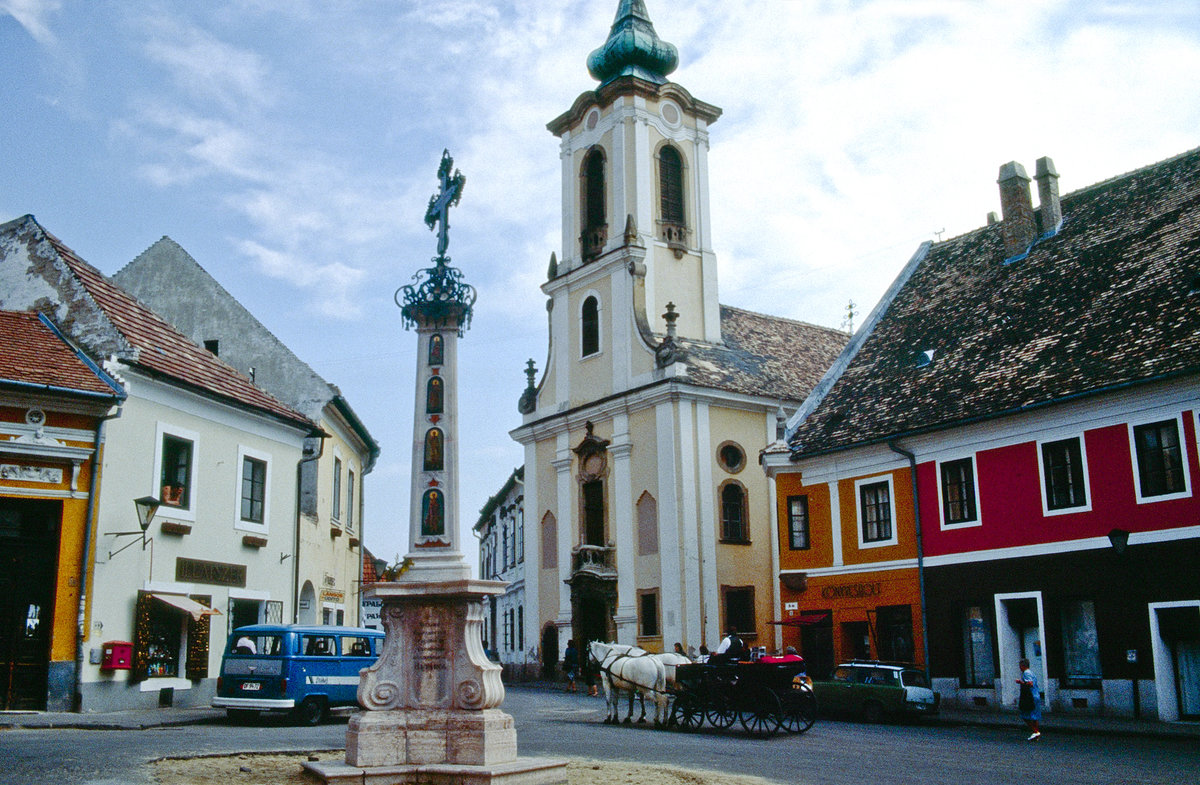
915	679
256	644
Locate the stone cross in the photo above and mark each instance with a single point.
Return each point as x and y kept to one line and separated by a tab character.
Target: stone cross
441	202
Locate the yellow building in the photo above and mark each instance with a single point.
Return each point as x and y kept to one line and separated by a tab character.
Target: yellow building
53	403
648	519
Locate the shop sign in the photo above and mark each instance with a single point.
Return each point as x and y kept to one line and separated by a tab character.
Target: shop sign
214	573
852	590
372	613
333	596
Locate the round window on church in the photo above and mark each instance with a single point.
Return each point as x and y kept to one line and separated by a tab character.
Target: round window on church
670	114
592	119
731	457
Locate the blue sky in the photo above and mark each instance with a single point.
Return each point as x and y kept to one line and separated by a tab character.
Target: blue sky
291	147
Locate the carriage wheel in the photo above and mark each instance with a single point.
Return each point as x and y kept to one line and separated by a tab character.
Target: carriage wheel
799	711
720	712
763	714
687	714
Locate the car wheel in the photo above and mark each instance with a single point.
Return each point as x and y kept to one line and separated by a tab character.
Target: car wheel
311	711
872	712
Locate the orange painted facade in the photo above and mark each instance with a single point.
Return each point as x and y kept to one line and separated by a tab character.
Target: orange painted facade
856	600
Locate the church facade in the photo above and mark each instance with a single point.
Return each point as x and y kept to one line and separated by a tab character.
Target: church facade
648	519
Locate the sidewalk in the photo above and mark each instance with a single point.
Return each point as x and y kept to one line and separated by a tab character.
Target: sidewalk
158	718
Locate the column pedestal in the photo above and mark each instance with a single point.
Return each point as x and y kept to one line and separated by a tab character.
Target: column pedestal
432	698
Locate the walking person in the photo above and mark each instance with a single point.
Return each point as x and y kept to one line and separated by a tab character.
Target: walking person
1030	702
570	664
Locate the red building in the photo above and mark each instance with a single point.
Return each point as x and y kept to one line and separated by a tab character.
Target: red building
1042	376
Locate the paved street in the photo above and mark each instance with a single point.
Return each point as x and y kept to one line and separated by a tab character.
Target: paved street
555	724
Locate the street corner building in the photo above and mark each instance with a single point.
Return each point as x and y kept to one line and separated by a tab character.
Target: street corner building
154	502
649	522
1002	464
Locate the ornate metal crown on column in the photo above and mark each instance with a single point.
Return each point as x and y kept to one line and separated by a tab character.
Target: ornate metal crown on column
440	298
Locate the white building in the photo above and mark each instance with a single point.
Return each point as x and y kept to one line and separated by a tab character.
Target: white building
329	553
220	454
501	533
650	524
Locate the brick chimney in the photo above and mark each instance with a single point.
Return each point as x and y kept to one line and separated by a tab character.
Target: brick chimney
1016	205
1047	182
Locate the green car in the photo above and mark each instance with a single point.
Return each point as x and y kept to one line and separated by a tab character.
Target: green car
874	690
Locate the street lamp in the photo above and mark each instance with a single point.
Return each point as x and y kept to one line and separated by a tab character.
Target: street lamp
146	507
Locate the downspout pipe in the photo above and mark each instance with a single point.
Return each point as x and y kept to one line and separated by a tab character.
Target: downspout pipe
912	471
88	536
299	521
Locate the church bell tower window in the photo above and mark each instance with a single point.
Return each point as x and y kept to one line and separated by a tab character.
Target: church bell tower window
595	225
672	221
589	324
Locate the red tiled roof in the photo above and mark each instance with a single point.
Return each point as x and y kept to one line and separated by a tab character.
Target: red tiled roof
164	350
32	354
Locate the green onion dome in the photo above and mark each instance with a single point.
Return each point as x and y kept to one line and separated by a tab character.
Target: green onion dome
633	48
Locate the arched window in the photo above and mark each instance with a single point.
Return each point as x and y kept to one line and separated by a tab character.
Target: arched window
549	541
590	327
670	185
595	223
434	450
437	350
734	526
434	400
647	524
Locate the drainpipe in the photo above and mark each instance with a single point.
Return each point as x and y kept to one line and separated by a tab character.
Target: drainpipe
299	521
88	529
912	471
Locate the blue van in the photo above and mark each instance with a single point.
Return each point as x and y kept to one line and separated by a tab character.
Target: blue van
305	670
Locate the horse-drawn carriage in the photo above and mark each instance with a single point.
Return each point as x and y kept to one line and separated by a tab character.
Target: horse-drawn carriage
764	697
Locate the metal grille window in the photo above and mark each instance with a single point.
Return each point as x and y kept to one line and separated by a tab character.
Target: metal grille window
875	502
1062	469
1159	461
797	507
958	491
733	513
254	487
670	185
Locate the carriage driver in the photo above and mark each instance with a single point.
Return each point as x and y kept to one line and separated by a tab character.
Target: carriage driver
730	649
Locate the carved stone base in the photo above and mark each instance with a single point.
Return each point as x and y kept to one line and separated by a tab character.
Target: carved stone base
430	736
524	771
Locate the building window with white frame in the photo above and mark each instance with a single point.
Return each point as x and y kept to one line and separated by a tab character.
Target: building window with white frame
1063	474
734	523
1159	458
176	471
254	489
875	511
798	533
958	492
349	499
589	323
337	489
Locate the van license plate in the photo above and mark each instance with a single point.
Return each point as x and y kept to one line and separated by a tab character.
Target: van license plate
251	686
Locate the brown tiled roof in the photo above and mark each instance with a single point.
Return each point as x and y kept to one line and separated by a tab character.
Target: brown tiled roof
161	349
764	355
1112	299
32	354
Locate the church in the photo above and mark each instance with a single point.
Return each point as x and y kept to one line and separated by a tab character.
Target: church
649	519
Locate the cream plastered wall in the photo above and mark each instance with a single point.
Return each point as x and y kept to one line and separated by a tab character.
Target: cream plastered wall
743	565
592	376
322	554
130	471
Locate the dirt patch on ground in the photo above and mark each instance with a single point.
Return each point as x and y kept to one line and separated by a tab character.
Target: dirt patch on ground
256	769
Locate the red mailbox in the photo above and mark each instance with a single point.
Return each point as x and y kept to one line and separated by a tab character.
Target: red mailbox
116	656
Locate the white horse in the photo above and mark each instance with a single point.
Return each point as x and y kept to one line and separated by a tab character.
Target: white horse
628	669
670	661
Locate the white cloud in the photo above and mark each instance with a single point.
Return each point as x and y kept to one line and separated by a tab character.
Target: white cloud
205	67
337	282
34	15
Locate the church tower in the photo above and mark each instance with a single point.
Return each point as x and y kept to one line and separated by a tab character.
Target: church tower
647	526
